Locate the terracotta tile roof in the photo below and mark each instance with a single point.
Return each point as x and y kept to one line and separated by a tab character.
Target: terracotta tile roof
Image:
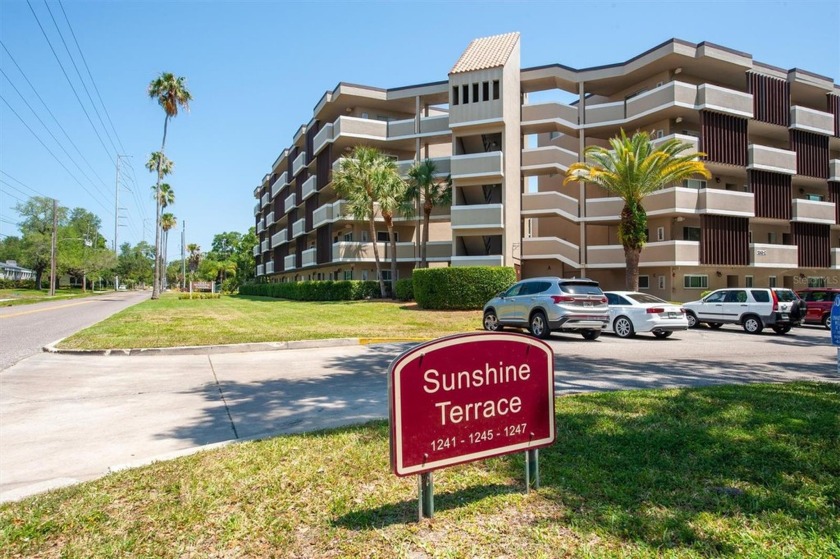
487	52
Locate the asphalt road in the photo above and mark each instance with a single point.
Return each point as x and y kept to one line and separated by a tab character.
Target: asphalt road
69	418
25	329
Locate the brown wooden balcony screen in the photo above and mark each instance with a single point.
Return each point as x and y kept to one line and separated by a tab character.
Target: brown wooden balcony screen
811	153
323	166
723	138
323	252
280	255
772	194
311	206
834	108
771	98
834	196
310	138
724	240
292	218
301	246
814	244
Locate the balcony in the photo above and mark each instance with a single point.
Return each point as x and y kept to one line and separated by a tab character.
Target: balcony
322	216
336	166
671	94
548	204
289	262
775	160
344	251
774	256
269	267
309	257
341	211
299	163
551	248
442	166
483	260
298	228
279	184
290	202
265	246
723	100
438	251
477	216
257	209
266	198
549	117
547	160
323	136
679	200
279	238
483	166
260	269
256	250
834	170
809	120
604	209
269	219
309	188
835	258
359	128
811	211
694	141
662	253
260	226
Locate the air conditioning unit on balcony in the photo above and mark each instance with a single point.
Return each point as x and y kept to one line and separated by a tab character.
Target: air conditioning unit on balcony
658	133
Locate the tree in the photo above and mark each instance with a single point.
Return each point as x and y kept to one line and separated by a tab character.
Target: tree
632	169
426	188
135	265
36	227
166	196
167	221
194	258
171	93
79	246
237	248
392	198
11	248
364	179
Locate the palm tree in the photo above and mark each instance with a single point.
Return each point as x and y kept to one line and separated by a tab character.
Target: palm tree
632	169
167	221
161	165
429	190
392	196
166	196
367	178
171	93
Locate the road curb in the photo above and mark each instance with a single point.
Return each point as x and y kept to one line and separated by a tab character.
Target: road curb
210	349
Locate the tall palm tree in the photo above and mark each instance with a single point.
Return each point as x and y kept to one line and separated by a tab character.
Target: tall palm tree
366	179
392	196
171	93
166	196
430	190
167	221
194	257
632	169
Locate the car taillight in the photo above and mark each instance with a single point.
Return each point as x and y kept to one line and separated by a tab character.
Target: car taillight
682	310
775	301
603	300
655	310
562	298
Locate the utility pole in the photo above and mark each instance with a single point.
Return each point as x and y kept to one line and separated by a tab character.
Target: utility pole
53	247
183	255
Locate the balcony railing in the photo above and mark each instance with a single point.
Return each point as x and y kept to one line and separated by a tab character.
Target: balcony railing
309	257
362	128
443	166
547	204
269	219
256	250
279	238
298	228
260	269
809	120
774	256
775	160
256	208
289	262
260	226
551	248
547	160
269	267
694	141
266	198
680	200
309	188
835	258
323	136
483	260
322	216
547	117
604	209
724	100
290	202
279	184
266	245
834	170
812	211
486	166
661	253
299	163
478	216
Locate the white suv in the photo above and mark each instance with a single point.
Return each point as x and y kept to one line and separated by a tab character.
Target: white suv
752	308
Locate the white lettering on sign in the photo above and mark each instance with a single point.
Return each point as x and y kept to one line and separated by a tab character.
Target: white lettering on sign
488	376
478	410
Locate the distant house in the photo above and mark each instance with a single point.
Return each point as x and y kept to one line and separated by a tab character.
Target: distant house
10	270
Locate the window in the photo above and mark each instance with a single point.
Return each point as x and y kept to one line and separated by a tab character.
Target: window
553	135
455	96
365	115
465	94
364	236
748	281
485	91
761	296
694	183
495	89
364	275
348	275
661	280
644	282
691	234
382	236
771	237
692	281
660	233
348	237
815	197
771	281
475	96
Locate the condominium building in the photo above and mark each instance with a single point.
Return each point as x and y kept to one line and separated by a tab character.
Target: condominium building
770	214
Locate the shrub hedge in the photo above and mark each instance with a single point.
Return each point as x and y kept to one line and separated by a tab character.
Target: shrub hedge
345	290
17	284
197	295
404	290
460	288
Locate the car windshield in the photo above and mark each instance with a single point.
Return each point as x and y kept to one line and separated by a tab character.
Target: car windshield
581	288
645	298
785	295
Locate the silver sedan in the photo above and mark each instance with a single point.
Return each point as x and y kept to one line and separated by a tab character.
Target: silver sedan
632	312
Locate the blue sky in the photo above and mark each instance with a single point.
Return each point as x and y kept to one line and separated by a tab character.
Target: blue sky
257	69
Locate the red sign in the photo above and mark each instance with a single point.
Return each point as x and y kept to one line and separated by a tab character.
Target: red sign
469	397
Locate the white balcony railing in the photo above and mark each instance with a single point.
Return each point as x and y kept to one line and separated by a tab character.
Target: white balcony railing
834	170
322	216
323	136
269	219
309	188
774	256
289	262
478	216
483	260
290	202
812	211
299	163
256	250
477	166
266	198
309	257
775	160
279	184
298	228
269	267
260	269
279	238
256	208
810	120
265	245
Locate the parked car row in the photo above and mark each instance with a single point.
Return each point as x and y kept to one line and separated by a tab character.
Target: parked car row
578	305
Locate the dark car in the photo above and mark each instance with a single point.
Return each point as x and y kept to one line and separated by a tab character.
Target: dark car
818	301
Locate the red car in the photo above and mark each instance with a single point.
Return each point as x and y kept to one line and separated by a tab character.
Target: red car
819	301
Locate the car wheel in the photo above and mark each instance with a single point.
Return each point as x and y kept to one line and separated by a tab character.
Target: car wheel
715	325
491	322
781	329
827	321
623	327
692	320
753	325
662	335
538	325
590	334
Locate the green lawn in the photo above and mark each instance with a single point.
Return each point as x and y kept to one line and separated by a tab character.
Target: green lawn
170	322
14	297
733	471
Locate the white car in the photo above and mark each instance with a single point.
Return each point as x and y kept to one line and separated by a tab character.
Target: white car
632	312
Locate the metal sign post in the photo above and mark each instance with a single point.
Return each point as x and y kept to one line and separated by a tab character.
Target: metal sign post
425	496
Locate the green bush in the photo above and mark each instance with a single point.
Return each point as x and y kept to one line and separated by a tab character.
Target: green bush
197	295
460	288
404	290
349	290
17	284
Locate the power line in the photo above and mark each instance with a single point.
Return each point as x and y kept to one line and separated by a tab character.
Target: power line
25	185
7	193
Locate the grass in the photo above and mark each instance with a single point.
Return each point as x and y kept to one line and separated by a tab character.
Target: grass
734	471
15	297
170	322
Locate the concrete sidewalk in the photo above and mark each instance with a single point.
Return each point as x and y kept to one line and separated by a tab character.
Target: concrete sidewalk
70	418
